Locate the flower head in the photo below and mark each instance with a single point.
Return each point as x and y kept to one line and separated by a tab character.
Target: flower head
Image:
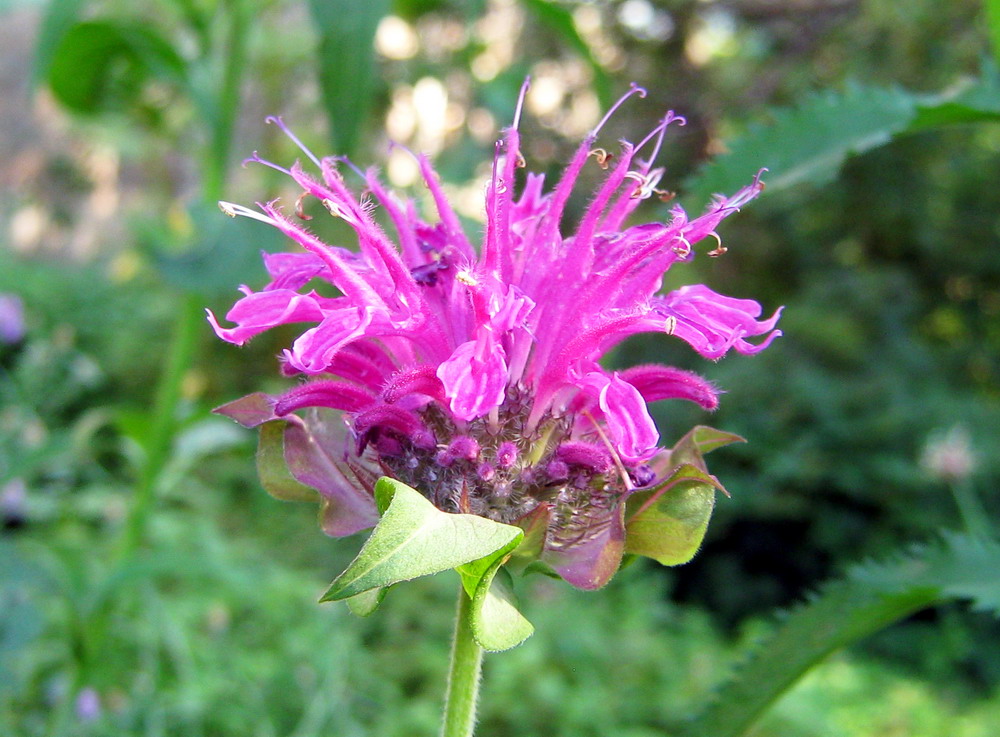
472	374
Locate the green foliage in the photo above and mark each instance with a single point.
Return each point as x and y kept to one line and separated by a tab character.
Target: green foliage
347	69
808	143
103	66
869	598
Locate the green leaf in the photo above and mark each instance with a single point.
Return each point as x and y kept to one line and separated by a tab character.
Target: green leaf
365	603
347	68
699	440
414	538
100	66
668	523
496	622
59	17
870	597
993	22
975	102
807	143
273	470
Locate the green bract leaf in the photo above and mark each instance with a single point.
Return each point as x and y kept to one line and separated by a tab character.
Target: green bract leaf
99	66
496	623
414	538
668	523
367	602
273	470
699	440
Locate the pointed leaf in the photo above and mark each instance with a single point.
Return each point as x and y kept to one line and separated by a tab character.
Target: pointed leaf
668	523
496	622
272	469
414	538
869	598
250	411
808	143
347	65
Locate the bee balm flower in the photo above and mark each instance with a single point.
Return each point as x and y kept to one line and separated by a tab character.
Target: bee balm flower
472	374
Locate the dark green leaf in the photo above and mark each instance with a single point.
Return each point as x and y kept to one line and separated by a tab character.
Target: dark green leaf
59	17
871	597
414	538
808	143
100	66
347	68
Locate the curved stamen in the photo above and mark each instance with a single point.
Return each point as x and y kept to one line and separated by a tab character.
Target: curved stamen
520	102
255	159
659	131
276	120
634	89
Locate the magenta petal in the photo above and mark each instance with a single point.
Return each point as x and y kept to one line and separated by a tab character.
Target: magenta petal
474	377
713	323
259	311
655	383
313	351
595	552
332	394
316	456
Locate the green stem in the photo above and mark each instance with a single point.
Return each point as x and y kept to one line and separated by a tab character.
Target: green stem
463	676
974	516
218	154
162	427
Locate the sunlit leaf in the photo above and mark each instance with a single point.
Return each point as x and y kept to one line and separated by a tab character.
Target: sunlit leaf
414	538
668	522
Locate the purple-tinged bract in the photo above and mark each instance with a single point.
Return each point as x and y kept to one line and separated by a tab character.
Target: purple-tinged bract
472	374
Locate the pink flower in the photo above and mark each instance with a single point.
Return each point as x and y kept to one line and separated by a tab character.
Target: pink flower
472	374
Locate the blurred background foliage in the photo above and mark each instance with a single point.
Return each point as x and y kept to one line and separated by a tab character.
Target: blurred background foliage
149	587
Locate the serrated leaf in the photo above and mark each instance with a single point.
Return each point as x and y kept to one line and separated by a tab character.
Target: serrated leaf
869	598
272	469
414	538
807	143
668	522
347	69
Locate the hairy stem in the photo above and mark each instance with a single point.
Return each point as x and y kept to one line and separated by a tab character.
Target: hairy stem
463	675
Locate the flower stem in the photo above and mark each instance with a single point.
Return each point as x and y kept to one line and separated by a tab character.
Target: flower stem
463	676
